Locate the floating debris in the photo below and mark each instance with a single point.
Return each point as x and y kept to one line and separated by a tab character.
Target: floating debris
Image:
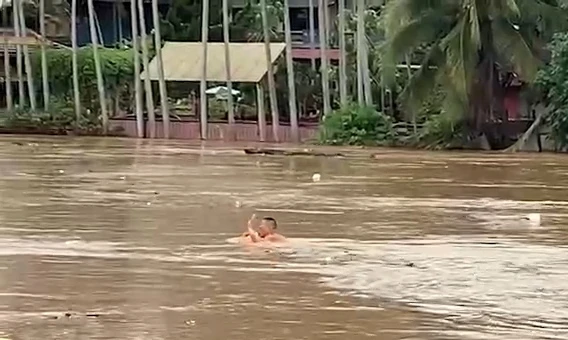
238	204
533	218
190	322
316	177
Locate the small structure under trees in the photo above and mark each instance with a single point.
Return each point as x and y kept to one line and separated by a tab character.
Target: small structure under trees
183	62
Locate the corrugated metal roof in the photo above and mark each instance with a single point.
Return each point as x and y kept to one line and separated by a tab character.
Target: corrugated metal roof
183	61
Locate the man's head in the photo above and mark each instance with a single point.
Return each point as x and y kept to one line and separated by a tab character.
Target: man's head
267	226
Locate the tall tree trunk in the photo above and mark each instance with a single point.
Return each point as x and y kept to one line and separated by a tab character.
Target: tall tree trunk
27	60
44	75
203	84
76	94
98	70
160	65
8	77
146	63
342	55
360	51
290	71
311	32
226	40
137	81
270	74
323	53
19	68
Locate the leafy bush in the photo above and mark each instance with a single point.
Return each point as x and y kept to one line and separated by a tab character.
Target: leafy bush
357	125
552	81
117	68
60	118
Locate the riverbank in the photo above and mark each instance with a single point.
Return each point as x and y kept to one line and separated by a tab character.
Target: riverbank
246	132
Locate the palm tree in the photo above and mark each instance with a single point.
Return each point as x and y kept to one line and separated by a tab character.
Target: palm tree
137	82
270	74
44	75
146	63
98	69
469	44
290	73
203	83
161	80
19	70
76	95
226	40
342	55
322	7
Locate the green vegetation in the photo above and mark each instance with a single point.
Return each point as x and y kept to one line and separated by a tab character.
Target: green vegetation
117	68
357	125
118	74
553	82
467	52
60	119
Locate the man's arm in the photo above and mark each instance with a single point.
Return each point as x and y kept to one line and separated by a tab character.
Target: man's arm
254	235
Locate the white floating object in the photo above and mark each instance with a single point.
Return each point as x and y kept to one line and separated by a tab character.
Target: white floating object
534	218
316	177
61	171
123	177
238	204
328	259
148	203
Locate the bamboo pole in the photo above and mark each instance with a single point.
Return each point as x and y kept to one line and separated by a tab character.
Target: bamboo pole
342	55
261	111
160	65
290	73
270	75
227	42
146	63
98	68
44	72
311	32
8	77
203	84
19	68
27	60
323	54
360	51
137	83
75	65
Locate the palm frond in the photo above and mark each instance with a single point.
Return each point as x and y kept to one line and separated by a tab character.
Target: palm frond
423	82
516	49
422	30
461	56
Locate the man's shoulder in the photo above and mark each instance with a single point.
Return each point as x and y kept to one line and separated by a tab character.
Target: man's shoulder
276	238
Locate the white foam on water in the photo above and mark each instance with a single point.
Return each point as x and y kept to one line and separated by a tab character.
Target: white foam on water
491	284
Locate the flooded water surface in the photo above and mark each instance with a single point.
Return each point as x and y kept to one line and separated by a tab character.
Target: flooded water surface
122	239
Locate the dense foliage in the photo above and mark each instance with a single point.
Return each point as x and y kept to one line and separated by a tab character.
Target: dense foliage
357	125
553	82
117	68
471	47
59	119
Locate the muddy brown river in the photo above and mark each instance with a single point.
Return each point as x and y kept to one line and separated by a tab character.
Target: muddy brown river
123	239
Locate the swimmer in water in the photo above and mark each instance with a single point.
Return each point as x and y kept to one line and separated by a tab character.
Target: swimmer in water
266	231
